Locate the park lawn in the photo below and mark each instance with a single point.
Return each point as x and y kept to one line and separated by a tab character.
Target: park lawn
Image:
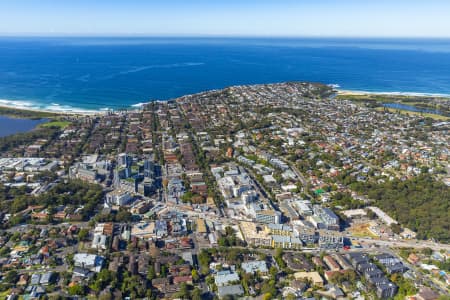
60	124
4	294
411	113
362	231
26	114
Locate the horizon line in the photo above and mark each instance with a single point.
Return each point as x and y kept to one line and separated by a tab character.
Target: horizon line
229	36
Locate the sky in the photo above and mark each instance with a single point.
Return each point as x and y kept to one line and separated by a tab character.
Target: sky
306	18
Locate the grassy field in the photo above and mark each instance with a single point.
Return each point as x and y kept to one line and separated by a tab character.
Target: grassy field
4	295
60	124
26	114
362	231
405	99
413	113
421	102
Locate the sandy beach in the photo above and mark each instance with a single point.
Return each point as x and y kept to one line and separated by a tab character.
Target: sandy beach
411	94
71	112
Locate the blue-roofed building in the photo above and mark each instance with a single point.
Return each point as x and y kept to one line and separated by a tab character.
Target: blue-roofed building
230	290
286	242
225	277
35	278
280	229
328	217
161	228
254	267
46	278
331	242
90	262
387	290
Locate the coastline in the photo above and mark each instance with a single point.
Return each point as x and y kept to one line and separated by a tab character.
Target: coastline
423	104
58	109
61	110
54	112
406	94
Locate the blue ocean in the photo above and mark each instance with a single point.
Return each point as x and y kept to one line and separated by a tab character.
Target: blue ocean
112	73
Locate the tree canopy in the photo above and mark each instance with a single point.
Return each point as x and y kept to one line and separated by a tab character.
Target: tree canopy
420	203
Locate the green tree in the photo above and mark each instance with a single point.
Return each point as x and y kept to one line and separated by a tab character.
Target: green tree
123	216
291	297
102	279
196	294
77	290
204	259
83	234
396	228
11	277
427	251
267	296
151	274
105	296
184	291
195	275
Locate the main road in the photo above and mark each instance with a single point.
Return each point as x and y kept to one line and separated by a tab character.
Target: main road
417	244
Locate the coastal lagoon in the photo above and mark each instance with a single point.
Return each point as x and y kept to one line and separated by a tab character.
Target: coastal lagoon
412	108
66	74
10	126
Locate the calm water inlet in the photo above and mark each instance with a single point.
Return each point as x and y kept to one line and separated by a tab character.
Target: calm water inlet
10	126
412	108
